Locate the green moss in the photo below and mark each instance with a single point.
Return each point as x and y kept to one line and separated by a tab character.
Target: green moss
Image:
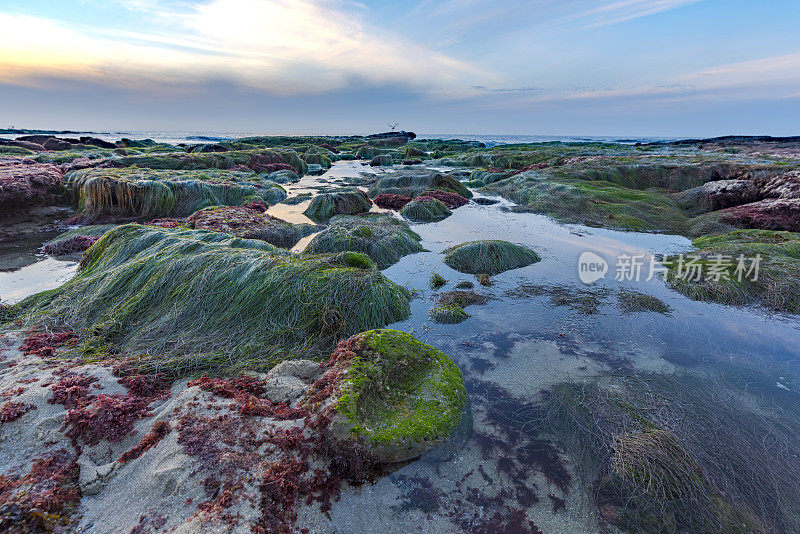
425	209
382	237
489	257
133	192
399	390
190	300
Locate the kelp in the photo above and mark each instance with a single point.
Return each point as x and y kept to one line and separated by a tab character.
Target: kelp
489	257
385	239
144	193
183	301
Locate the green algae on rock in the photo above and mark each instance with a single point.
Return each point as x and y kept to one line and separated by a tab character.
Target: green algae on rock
385	239
437	281
425	209
415	183
448	314
489	257
145	193
183	301
776	286
250	223
340	202
398	396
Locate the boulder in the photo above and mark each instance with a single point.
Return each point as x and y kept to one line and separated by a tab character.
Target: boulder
717	195
344	202
425	209
786	185
767	214
395	396
30	184
250	222
94	141
381	160
489	257
22	144
57	144
37	139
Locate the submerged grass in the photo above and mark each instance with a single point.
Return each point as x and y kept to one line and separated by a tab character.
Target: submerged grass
679	453
144	193
489	257
184	301
383	238
425	209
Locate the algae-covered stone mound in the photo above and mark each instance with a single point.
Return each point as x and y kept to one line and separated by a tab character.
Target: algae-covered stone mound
414	183
383	238
396	395
489	257
250	223
24	183
189	300
76	239
145	193
257	160
342	202
742	268
425	209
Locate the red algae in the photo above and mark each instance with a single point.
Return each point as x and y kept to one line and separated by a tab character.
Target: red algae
153	438
451	200
391	202
109	418
13	410
44	344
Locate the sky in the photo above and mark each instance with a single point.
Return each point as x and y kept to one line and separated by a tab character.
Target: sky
671	68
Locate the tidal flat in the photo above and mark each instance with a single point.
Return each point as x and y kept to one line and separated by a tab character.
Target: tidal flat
387	333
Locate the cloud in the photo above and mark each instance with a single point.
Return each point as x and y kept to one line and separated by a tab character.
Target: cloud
616	12
283	46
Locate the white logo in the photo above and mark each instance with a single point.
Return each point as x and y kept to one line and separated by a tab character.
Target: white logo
591	267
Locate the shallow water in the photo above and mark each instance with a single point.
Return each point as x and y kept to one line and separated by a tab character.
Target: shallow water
509	350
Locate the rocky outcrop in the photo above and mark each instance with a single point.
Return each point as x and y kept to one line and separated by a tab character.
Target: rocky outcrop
343	202
26	183
718	195
391	138
767	214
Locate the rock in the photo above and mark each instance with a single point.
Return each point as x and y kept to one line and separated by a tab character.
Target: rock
22	144
483	201
786	185
37	139
425	209
343	202
767	214
382	237
391	138
249	222
412	161
208	148
387	369
94	478
489	257
391	202
315	170
94	141
30	184
57	144
451	200
717	195
413	183
290	380
381	161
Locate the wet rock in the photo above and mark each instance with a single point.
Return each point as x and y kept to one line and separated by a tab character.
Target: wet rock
786	185
382	370
718	195
94	141
381	161
413	183
344	202
391	202
426	209
25	183
22	144
57	144
250	222
768	214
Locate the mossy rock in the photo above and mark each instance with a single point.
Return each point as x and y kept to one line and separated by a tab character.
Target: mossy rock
777	286
414	184
399	397
437	281
250	223
342	202
489	257
147	193
382	237
425	209
183	301
448	314
383	160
